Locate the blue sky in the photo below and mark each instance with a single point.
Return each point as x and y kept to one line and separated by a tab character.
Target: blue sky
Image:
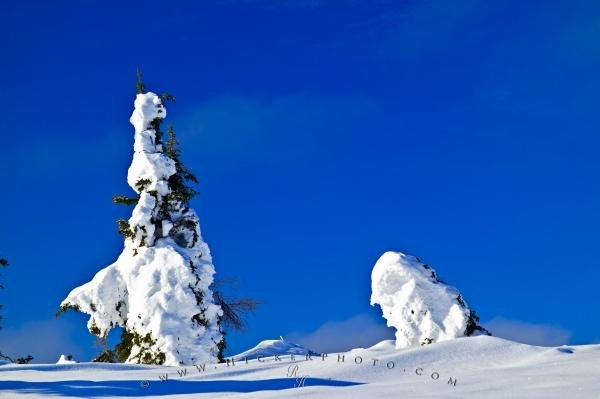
323	134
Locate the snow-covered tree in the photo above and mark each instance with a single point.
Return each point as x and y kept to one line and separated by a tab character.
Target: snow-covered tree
3	263
420	306
4	357
158	290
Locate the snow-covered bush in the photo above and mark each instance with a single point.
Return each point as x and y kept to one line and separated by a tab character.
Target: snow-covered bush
68	359
418	304
158	288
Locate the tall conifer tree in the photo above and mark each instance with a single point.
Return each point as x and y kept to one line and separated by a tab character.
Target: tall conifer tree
158	290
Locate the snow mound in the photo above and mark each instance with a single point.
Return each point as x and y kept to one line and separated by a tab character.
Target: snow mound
417	303
65	360
274	347
384	345
472	367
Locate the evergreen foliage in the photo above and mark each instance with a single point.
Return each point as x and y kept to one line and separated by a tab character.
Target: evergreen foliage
63	308
222	344
472	325
95	330
139	85
125	200
167	97
124	229
179	182
107	355
19	360
145	355
142	184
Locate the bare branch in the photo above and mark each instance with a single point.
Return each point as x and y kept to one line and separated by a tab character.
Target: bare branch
235	309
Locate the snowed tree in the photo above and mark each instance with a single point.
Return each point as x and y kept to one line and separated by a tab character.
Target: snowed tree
3	263
158	289
4	357
418	304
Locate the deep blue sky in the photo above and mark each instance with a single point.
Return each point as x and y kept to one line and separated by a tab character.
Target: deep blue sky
323	133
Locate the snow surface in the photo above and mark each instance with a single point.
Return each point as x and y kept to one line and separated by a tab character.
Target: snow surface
415	302
156	285
272	347
482	366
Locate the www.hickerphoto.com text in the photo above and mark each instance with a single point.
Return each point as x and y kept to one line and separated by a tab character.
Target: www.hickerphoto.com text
357	360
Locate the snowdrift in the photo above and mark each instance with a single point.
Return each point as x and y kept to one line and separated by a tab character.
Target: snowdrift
274	347
471	367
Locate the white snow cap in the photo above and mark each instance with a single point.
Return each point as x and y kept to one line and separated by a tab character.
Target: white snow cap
147	107
416	303
149	163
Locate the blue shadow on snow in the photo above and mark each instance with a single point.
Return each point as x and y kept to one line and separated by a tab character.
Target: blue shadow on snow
131	388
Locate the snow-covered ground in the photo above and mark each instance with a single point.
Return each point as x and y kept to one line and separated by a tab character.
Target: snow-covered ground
481	367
